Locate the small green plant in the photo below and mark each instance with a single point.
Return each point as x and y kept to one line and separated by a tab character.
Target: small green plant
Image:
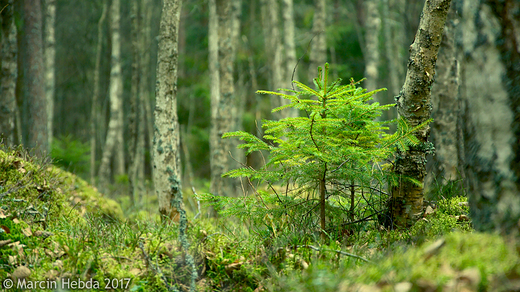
330	163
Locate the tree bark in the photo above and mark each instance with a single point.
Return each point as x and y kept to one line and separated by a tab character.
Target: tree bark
372	27
318	55
113	142
9	73
34	78
146	11
214	139
490	91
135	105
50	70
290	53
445	102
224	117
273	45
94	112
390	52
413	105
166	147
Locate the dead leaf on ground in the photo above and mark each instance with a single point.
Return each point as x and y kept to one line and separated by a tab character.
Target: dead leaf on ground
434	248
403	287
429	210
27	232
5	242
21	272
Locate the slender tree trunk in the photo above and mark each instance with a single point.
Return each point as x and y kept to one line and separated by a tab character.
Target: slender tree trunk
119	162
225	112
272	38
372	27
166	148
445	102
94	112
390	52
290	52
113	140
318	55
144	85
490	79
214	139
413	105
145	80
134	102
8	76
34	78
50	57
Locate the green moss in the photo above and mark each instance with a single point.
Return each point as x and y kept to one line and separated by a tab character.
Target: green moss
487	253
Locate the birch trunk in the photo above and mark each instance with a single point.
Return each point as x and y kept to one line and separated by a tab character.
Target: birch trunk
413	104
134	103
390	52
489	89
94	112
9	74
34	78
273	47
318	55
372	27
445	102
50	58
114	132
144	85
166	147
146	11
224	117
214	140
290	53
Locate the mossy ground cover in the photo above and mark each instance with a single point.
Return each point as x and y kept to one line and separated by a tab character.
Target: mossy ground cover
56	226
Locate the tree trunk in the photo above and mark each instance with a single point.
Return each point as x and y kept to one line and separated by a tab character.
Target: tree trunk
50	57
166	147
413	105
318	55
34	78
214	139
290	52
146	11
135	105
8	76
490	88
372	26
273	47
445	103
94	112
113	141
392	56
224	117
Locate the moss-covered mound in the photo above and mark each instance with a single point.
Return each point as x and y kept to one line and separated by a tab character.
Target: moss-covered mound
36	198
36	188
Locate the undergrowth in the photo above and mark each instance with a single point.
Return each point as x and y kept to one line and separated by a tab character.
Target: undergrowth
78	239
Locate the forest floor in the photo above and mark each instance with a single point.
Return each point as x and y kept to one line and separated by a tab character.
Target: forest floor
57	229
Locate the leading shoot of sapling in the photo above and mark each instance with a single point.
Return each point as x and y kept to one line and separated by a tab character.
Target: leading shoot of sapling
333	162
